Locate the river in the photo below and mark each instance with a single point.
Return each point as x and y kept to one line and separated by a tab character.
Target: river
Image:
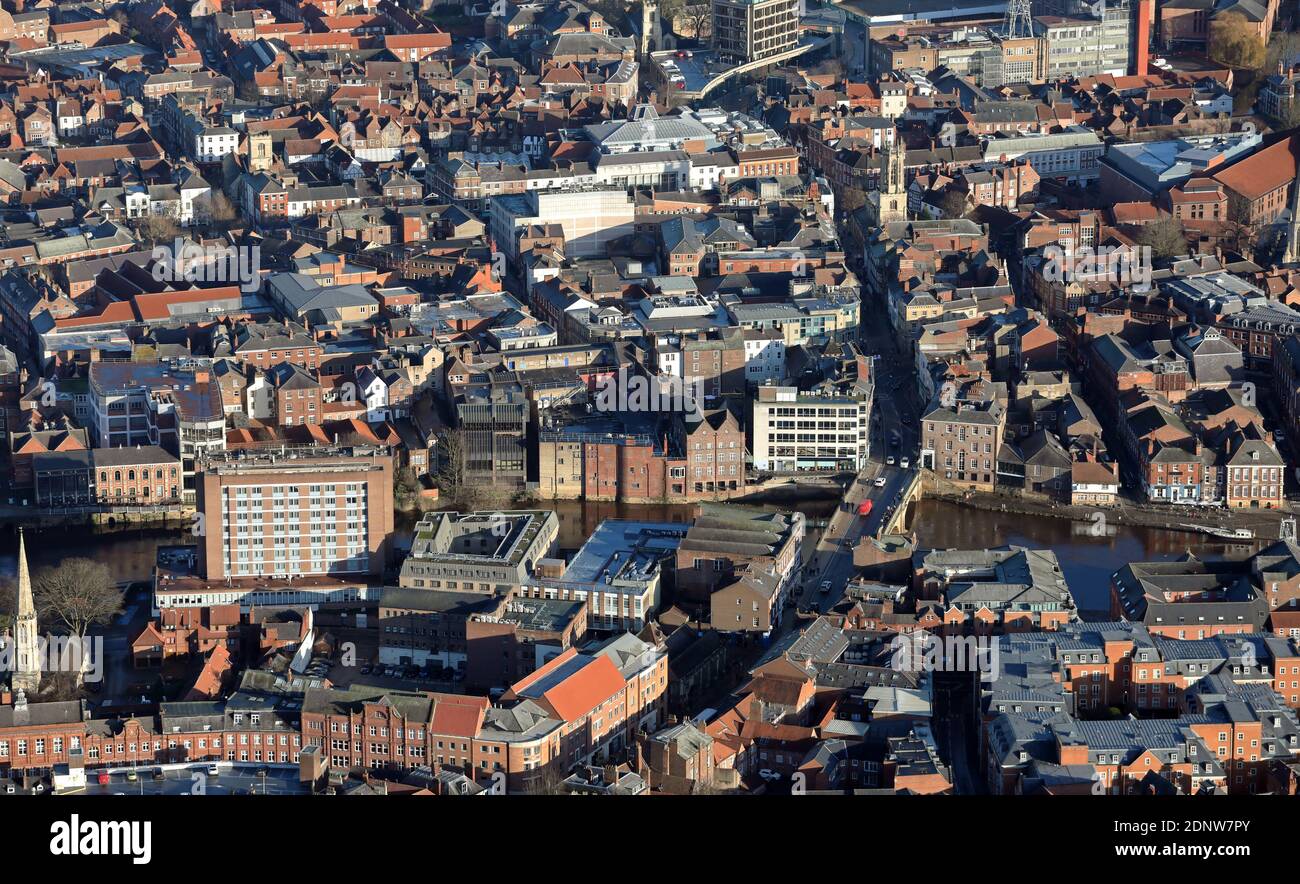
1086	561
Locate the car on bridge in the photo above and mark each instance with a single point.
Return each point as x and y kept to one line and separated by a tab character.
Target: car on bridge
864	508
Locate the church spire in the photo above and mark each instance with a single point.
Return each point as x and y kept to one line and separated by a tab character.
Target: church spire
26	603
27	665
1292	253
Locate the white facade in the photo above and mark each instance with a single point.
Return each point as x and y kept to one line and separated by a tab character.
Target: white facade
259	399
764	359
796	432
590	218
210	145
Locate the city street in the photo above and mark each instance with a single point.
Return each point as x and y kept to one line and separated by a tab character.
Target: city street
896	412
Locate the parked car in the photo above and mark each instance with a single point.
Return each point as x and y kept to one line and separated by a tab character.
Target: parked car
131	776
213	770
159	775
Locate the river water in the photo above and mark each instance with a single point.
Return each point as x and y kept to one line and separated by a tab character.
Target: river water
1087	561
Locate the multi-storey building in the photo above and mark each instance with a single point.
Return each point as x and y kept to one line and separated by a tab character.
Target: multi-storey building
618	572
1009	588
960	442
749	30
135	403
310	512
491	553
144	475
794	431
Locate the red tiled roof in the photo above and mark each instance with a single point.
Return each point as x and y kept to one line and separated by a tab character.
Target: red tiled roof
457	716
579	692
1263	171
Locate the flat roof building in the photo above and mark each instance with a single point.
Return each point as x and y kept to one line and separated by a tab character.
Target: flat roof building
485	552
617	573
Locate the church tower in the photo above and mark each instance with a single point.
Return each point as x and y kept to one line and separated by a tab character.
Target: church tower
889	202
651	33
26	662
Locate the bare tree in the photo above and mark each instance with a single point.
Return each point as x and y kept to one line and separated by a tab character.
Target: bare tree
453	449
1234	42
406	487
852	199
8	602
1165	237
77	593
159	228
953	204
217	208
58	685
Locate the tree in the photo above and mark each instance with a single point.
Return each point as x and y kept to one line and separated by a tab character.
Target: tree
953	204
218	209
159	228
453	448
406	487
246	90
1235	42
76	593
700	18
852	199
1165	237
8	602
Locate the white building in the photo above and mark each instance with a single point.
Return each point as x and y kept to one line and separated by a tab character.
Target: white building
590	218
764	356
1072	156
211	143
794	432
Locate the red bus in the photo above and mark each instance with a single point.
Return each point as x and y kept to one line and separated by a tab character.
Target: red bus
864	508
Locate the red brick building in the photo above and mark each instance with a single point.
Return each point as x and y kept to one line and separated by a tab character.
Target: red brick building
144	475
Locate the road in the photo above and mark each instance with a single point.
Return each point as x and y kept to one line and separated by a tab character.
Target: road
897	409
855	47
194	780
